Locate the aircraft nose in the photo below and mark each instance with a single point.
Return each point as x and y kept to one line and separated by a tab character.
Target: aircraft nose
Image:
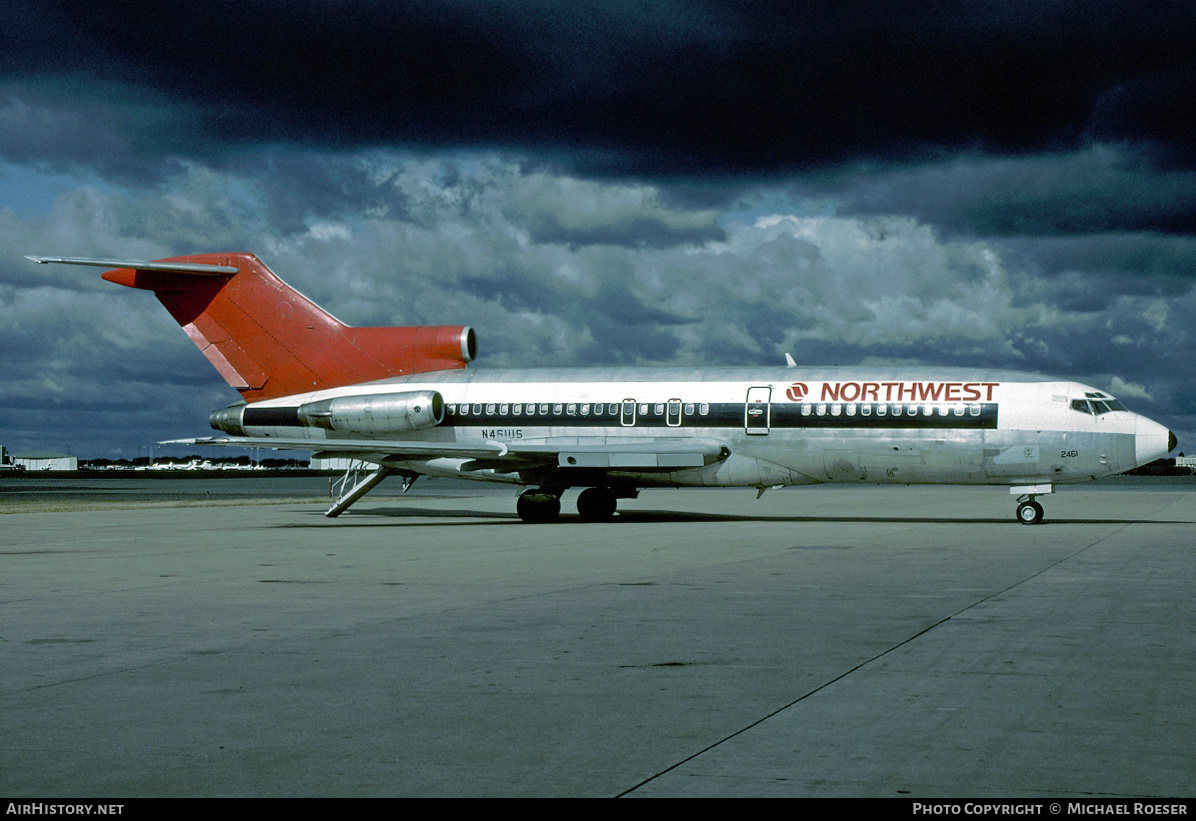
1151	441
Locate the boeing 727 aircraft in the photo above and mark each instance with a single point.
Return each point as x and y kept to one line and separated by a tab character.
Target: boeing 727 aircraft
402	400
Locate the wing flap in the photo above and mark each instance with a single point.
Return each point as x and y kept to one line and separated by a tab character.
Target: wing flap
641	455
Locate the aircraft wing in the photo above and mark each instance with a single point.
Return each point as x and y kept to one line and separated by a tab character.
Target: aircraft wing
362	448
637	455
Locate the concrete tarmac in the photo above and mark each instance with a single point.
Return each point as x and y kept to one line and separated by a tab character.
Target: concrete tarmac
825	641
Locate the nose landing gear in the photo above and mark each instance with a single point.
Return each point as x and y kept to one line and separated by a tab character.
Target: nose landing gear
1029	512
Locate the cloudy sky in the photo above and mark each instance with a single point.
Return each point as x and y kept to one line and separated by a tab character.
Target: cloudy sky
987	184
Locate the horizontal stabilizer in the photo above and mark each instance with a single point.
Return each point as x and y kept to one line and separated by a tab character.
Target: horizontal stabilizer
195	268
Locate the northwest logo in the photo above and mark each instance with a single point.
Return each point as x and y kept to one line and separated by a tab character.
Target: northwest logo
898	391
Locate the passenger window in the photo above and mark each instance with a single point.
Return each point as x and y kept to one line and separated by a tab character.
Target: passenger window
557	409
974	410
806	409
585	410
571	410
881	410
704	409
689	408
464	409
643	410
821	410
477	410
865	410
543	410
896	410
851	410
490	409
958	410
504	409
659	410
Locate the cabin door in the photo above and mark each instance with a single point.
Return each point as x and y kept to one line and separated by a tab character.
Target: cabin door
757	411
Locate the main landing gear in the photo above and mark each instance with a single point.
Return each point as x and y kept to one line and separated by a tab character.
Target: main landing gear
595	504
538	504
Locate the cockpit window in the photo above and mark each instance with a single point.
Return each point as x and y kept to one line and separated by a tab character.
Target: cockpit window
1096	404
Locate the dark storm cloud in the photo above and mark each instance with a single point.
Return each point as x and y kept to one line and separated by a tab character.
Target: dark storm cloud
1100	189
1114	264
659	88
981	184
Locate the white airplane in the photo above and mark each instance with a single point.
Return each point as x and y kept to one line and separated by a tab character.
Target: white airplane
402	400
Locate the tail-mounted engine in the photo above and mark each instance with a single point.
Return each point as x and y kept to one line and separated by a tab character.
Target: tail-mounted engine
384	413
370	415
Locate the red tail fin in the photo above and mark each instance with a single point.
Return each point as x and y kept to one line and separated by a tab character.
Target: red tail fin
267	340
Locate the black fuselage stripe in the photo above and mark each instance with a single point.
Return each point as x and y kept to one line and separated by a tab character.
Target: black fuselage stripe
721	415
732	415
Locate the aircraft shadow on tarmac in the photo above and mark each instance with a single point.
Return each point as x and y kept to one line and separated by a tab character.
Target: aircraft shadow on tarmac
386	516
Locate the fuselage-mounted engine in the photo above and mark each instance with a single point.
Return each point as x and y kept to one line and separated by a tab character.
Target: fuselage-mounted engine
371	415
375	414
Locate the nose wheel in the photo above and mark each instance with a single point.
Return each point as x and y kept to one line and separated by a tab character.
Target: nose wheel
1029	512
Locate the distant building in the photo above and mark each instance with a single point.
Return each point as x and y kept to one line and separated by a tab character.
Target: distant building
4	463
46	460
